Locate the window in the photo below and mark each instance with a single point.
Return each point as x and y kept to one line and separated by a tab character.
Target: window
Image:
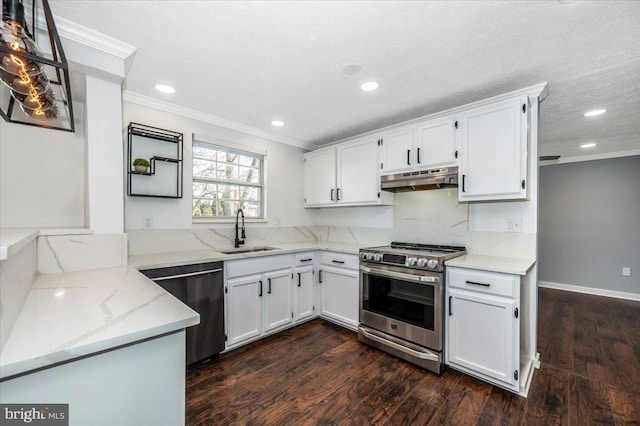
224	180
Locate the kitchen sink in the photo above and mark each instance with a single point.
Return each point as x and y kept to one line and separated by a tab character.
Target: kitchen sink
247	250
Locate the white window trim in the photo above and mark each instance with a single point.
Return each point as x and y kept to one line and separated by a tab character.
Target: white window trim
240	149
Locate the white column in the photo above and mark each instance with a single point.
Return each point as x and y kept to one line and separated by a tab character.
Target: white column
105	175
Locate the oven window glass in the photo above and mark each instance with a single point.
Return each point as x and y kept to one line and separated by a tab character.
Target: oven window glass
402	300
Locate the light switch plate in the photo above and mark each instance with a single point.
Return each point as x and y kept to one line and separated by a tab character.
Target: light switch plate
626	272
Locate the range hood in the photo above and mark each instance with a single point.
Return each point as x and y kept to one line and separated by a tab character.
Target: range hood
420	181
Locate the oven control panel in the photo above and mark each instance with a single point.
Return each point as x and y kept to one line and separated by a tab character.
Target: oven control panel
399	260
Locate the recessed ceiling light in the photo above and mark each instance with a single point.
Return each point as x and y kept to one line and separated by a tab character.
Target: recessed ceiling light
369	86
587	145
352	69
165	89
277	123
594	112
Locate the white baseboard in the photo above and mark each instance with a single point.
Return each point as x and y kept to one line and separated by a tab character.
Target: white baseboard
590	290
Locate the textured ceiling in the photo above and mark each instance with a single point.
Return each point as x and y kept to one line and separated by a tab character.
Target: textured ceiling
253	62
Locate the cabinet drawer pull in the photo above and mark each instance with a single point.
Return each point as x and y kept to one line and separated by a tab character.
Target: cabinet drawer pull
408	157
268	285
475	283
418	155
306	260
260	294
320	276
463	176
450	311
331	194
299	279
338	261
338	194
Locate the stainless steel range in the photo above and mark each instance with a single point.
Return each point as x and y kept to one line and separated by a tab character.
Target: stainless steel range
402	300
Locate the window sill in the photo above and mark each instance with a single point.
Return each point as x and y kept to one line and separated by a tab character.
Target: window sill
229	220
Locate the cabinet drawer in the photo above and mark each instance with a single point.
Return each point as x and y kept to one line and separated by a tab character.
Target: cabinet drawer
341	260
483	282
257	265
303	259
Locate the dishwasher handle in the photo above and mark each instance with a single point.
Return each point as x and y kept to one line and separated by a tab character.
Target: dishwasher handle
190	274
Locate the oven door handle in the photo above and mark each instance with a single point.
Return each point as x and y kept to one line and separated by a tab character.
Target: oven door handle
398	275
418	354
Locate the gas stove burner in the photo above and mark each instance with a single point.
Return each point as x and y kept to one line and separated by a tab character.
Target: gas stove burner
411	256
427	247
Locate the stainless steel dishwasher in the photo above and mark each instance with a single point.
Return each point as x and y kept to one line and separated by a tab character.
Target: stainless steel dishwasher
201	287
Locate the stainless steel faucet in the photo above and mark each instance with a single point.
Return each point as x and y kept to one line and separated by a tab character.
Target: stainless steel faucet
240	240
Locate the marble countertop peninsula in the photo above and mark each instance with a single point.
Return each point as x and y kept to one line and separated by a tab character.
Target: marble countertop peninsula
74	314
508	265
70	315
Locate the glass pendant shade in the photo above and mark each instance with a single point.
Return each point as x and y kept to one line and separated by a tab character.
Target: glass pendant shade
13	36
36	81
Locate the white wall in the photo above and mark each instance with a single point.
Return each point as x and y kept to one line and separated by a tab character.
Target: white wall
42	175
284	164
590	224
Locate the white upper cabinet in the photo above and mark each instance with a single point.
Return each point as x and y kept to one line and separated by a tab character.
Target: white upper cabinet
358	174
493	151
436	143
397	151
347	174
419	146
320	178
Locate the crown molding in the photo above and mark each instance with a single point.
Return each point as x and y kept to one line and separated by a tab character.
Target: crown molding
602	156
92	38
147	101
91	51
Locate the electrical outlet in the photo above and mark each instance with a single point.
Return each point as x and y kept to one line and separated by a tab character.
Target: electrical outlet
626	271
147	222
513	225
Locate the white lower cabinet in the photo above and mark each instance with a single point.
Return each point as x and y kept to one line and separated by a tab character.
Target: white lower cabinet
482	325
259	303
339	289
278	305
304	291
245	308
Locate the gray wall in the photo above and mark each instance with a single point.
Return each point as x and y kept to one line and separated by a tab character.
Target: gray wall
590	223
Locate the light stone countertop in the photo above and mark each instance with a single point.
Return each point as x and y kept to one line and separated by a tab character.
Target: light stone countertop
160	260
508	265
12	240
74	314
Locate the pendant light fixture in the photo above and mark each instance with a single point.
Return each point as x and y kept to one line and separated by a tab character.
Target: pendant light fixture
35	86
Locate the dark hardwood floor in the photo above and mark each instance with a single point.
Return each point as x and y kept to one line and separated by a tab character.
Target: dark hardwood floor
318	373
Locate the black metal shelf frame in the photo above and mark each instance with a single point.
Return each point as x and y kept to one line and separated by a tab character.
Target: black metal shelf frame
160	135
